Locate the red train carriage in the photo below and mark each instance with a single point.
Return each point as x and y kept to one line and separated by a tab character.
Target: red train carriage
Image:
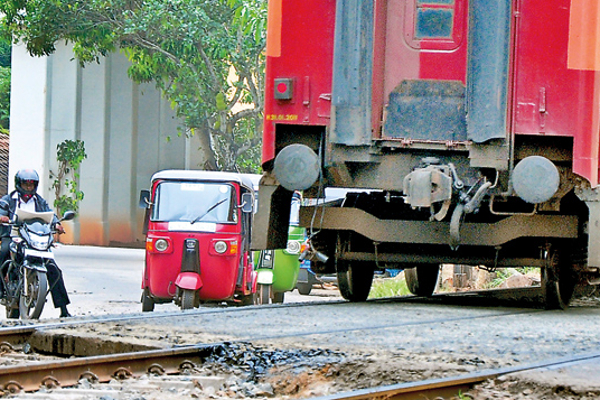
475	121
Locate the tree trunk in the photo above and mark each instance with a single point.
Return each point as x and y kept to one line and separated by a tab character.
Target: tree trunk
208	154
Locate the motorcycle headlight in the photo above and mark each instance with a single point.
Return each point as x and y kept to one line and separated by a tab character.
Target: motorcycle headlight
39	242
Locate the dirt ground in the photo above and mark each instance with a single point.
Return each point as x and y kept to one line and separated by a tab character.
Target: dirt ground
307	368
301	370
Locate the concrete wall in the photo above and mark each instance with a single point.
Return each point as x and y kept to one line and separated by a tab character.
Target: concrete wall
125	128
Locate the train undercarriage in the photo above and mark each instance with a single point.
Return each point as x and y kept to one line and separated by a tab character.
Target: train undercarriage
452	214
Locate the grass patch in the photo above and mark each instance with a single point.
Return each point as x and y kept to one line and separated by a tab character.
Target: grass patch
389	287
503	274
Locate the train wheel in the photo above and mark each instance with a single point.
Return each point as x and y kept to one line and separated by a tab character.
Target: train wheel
147	302
354	278
263	294
188	298
558	282
422	279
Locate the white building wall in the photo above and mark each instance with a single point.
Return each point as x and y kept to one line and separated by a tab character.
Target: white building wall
124	127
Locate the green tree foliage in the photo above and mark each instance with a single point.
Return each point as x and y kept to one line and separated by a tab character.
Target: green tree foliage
205	55
4	98
5	49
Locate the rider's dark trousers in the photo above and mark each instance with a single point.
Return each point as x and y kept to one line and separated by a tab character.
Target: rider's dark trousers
55	278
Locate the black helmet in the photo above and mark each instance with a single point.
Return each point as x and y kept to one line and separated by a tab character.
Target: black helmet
25	175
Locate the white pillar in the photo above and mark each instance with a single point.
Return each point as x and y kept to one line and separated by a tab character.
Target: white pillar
29	113
129	132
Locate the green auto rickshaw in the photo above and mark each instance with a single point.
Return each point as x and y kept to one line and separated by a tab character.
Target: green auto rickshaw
278	269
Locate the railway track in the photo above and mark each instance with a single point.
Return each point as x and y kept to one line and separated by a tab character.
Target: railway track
11	336
66	373
447	387
183	359
18	335
102	368
528	297
186	359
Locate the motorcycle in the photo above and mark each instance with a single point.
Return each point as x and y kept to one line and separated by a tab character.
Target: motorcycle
24	273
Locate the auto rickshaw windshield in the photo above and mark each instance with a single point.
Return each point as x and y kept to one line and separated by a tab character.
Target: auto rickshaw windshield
195	202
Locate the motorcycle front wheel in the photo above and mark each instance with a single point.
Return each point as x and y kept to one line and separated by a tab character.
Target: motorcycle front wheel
12	312
34	294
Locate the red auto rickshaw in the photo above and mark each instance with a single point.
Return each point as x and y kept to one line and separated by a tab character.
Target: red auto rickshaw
198	239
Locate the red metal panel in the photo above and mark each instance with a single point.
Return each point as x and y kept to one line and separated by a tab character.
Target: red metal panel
444	66
551	97
300	47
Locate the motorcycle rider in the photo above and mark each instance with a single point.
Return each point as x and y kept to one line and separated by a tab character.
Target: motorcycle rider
25	197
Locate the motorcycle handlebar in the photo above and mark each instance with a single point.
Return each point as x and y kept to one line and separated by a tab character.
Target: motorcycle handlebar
9	224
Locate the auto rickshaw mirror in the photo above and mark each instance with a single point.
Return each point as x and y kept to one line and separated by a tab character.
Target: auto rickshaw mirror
247	206
145	199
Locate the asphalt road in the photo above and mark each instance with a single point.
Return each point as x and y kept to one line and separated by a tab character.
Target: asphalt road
99	280
107	280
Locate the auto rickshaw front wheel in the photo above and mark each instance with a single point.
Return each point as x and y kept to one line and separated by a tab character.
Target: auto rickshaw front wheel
188	299
263	294
247	300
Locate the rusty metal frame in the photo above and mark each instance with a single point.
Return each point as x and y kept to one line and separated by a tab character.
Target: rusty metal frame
438	233
405	258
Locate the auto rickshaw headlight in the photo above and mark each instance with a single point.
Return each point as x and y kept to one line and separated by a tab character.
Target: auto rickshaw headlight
220	247
161	245
293	247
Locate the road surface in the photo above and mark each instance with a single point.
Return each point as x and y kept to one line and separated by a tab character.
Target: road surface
107	280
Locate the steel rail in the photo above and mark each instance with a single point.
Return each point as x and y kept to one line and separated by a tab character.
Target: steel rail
9	337
173	360
65	373
451	386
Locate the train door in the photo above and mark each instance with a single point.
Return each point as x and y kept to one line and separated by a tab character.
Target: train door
423	44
